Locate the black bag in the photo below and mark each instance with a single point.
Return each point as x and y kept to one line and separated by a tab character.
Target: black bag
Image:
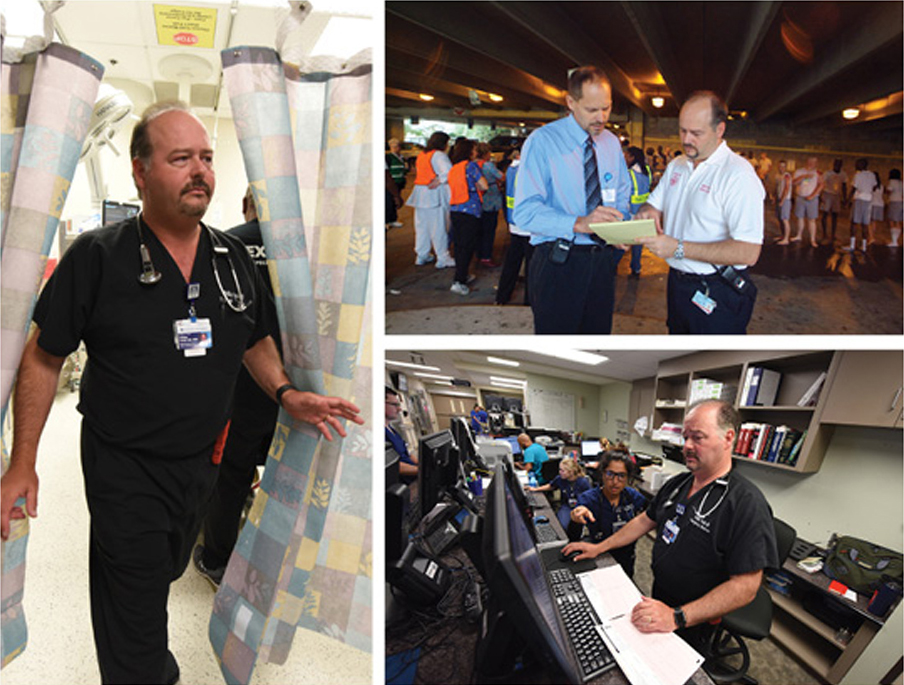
861	565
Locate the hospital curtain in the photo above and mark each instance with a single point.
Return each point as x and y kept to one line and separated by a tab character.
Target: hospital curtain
303	557
45	107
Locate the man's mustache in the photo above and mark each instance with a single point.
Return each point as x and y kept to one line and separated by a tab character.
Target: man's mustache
197	185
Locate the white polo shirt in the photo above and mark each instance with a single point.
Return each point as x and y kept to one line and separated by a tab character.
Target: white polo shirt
722	199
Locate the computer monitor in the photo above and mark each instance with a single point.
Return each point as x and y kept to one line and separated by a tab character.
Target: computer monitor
523	504
439	469
517	580
590	449
513	441
392	465
114	212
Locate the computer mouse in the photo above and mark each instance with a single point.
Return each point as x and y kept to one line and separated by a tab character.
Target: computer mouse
541	519
570	556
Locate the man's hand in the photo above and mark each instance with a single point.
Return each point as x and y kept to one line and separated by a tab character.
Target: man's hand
661	245
435	183
582	514
587	550
321	411
652	616
16	483
600	215
650	212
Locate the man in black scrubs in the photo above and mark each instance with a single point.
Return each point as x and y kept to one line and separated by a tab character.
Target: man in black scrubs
164	350
715	533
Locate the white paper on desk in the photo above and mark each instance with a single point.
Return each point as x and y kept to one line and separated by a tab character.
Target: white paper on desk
645	658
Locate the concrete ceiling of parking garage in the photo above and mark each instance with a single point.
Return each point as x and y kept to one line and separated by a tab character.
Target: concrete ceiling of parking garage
797	63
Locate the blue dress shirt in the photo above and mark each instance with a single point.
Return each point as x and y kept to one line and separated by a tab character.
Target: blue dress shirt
549	194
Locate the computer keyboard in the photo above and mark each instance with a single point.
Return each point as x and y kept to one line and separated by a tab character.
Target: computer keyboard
536	500
441	539
580	623
545	533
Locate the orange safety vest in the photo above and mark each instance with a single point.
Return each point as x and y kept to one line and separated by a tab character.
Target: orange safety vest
458	184
425	173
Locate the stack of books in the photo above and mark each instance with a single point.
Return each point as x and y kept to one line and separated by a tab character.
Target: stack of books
765	442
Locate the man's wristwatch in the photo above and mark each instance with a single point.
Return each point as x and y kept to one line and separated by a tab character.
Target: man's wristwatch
680	618
679	250
282	390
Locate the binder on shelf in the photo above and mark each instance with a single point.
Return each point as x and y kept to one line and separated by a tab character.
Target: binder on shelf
768	387
756	373
811	396
745	389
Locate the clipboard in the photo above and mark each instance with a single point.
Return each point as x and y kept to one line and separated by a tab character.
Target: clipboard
624	232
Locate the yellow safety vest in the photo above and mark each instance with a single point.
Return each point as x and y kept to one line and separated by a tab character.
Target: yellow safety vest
639	198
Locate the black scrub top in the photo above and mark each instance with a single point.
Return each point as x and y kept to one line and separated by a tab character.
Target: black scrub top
724	530
138	391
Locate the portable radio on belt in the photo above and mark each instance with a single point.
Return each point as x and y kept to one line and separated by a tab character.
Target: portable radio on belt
736	279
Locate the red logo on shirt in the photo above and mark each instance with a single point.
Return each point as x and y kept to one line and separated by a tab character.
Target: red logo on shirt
674	179
704	188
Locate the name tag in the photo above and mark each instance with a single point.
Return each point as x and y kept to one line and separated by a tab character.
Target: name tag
608	195
193	337
704	302
670	531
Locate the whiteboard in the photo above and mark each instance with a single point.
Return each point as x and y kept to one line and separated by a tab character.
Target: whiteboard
551	409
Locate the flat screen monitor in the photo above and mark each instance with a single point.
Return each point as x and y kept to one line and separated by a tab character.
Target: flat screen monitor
461	431
590	449
494	403
114	212
513	441
517	489
439	469
517	579
392	466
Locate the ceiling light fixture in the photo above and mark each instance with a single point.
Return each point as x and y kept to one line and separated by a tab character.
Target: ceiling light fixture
495	98
503	379
657	102
851	113
425	97
433	375
409	365
578	356
503	362
510	386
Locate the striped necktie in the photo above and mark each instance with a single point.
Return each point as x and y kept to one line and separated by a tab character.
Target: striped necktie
592	183
591	177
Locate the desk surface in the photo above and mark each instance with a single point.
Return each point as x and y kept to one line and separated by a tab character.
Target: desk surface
448	655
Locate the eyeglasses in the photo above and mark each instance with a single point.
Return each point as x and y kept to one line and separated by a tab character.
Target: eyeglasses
615	476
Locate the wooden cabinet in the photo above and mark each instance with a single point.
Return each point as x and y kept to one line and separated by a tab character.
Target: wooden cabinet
867	390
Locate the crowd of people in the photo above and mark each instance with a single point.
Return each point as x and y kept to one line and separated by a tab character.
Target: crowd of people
574	173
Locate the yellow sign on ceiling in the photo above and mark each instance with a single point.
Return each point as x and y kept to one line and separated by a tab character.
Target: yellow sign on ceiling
192	27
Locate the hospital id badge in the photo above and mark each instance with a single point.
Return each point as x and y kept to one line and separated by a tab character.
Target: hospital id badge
670	531
193	337
704	302
608	195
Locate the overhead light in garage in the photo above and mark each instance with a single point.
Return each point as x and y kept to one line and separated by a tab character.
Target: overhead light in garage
425	97
851	113
657	102
495	98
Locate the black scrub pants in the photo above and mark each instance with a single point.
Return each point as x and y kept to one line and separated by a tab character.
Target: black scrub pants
730	316
466	228
577	296
246	447
519	250
145	516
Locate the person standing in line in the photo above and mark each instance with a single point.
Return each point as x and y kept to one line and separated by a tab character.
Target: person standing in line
833	194
807	185
877	210
398	168
430	200
895	205
467	185
491	204
572	175
708	210
862	187
519	249
783	185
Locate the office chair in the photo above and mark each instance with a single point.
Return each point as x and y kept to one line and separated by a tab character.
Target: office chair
726	646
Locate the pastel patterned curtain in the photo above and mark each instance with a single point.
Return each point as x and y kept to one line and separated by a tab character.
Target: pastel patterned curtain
304	556
45	107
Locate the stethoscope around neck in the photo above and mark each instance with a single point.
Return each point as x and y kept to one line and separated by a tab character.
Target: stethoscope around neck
150	276
698	510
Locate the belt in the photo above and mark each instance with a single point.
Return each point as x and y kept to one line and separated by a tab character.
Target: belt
576	248
688	276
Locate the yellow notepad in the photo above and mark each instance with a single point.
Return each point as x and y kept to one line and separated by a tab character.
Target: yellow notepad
624	232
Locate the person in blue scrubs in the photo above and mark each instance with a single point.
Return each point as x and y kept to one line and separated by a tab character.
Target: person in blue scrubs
605	509
407	462
571	481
